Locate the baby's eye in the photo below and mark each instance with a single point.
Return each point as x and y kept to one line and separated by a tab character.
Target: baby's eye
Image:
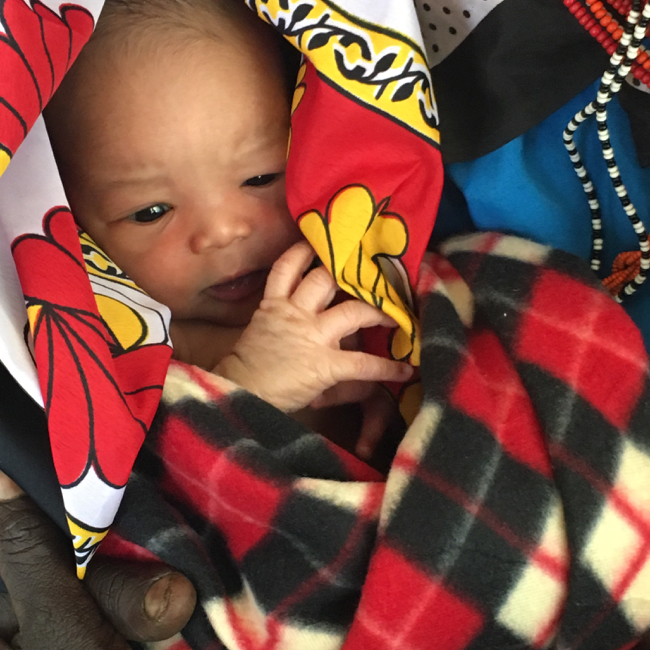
260	181
150	213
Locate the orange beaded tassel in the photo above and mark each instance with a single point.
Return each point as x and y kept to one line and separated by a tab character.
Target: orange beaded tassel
625	268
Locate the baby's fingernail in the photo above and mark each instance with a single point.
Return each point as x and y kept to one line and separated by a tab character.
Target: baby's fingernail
363	451
407	370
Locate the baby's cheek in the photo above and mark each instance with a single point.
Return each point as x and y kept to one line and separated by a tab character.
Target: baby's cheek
163	280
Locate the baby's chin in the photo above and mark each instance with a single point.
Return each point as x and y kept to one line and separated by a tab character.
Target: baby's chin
232	314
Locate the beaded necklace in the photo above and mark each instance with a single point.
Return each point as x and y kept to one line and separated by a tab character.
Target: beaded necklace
607	30
626	53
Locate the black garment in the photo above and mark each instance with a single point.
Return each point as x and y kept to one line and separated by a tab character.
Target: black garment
523	61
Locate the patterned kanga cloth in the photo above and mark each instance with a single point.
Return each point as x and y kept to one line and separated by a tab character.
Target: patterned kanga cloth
514	515
363	181
364	176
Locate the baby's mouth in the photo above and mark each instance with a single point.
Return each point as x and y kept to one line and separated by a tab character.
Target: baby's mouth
239	288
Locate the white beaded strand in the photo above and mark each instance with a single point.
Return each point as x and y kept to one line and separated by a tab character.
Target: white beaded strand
619	67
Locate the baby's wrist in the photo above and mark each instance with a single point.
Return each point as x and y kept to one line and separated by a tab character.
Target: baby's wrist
233	368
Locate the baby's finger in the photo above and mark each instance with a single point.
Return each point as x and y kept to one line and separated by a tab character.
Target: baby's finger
361	366
378	410
316	291
288	269
349	316
346	392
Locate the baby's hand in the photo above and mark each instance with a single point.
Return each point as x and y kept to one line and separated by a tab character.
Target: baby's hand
290	352
378	409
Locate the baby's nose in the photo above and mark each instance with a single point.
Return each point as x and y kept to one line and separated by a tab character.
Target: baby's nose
219	230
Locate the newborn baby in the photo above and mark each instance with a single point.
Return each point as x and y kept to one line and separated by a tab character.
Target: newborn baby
170	133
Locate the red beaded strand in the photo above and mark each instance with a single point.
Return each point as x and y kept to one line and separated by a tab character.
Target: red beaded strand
600	24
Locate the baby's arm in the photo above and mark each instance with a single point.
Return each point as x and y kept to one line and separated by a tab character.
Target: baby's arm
290	353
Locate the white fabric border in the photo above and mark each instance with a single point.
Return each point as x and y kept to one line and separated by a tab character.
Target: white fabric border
29	188
397	16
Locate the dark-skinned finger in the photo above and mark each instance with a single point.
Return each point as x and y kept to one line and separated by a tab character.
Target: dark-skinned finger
8	620
143	601
52	606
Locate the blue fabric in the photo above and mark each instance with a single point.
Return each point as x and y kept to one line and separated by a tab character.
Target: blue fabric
529	187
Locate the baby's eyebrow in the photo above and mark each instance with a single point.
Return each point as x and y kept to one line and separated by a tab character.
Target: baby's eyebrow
133	180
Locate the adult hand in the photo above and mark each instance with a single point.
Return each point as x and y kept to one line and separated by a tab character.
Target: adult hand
290	353
48	607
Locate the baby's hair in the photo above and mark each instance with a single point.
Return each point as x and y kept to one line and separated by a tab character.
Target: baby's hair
130	17
123	23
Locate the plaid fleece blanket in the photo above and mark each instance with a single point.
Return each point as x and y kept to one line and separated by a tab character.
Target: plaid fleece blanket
515	513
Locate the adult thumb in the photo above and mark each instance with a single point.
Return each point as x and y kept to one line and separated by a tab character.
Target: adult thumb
144	601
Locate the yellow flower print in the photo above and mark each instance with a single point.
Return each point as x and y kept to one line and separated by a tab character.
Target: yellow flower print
410	401
98	264
297	97
133	318
360	242
300	88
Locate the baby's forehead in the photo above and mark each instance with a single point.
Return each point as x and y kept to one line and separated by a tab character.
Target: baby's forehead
129	72
133	22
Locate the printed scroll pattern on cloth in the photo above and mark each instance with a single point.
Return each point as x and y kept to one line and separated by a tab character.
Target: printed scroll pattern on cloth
365	190
37	47
515	512
99	363
371	63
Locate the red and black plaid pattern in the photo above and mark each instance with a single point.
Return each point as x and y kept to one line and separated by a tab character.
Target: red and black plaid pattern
516	513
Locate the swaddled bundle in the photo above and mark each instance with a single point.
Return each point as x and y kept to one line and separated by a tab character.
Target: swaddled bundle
513	515
524	468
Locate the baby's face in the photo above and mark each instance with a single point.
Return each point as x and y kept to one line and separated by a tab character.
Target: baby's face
173	161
